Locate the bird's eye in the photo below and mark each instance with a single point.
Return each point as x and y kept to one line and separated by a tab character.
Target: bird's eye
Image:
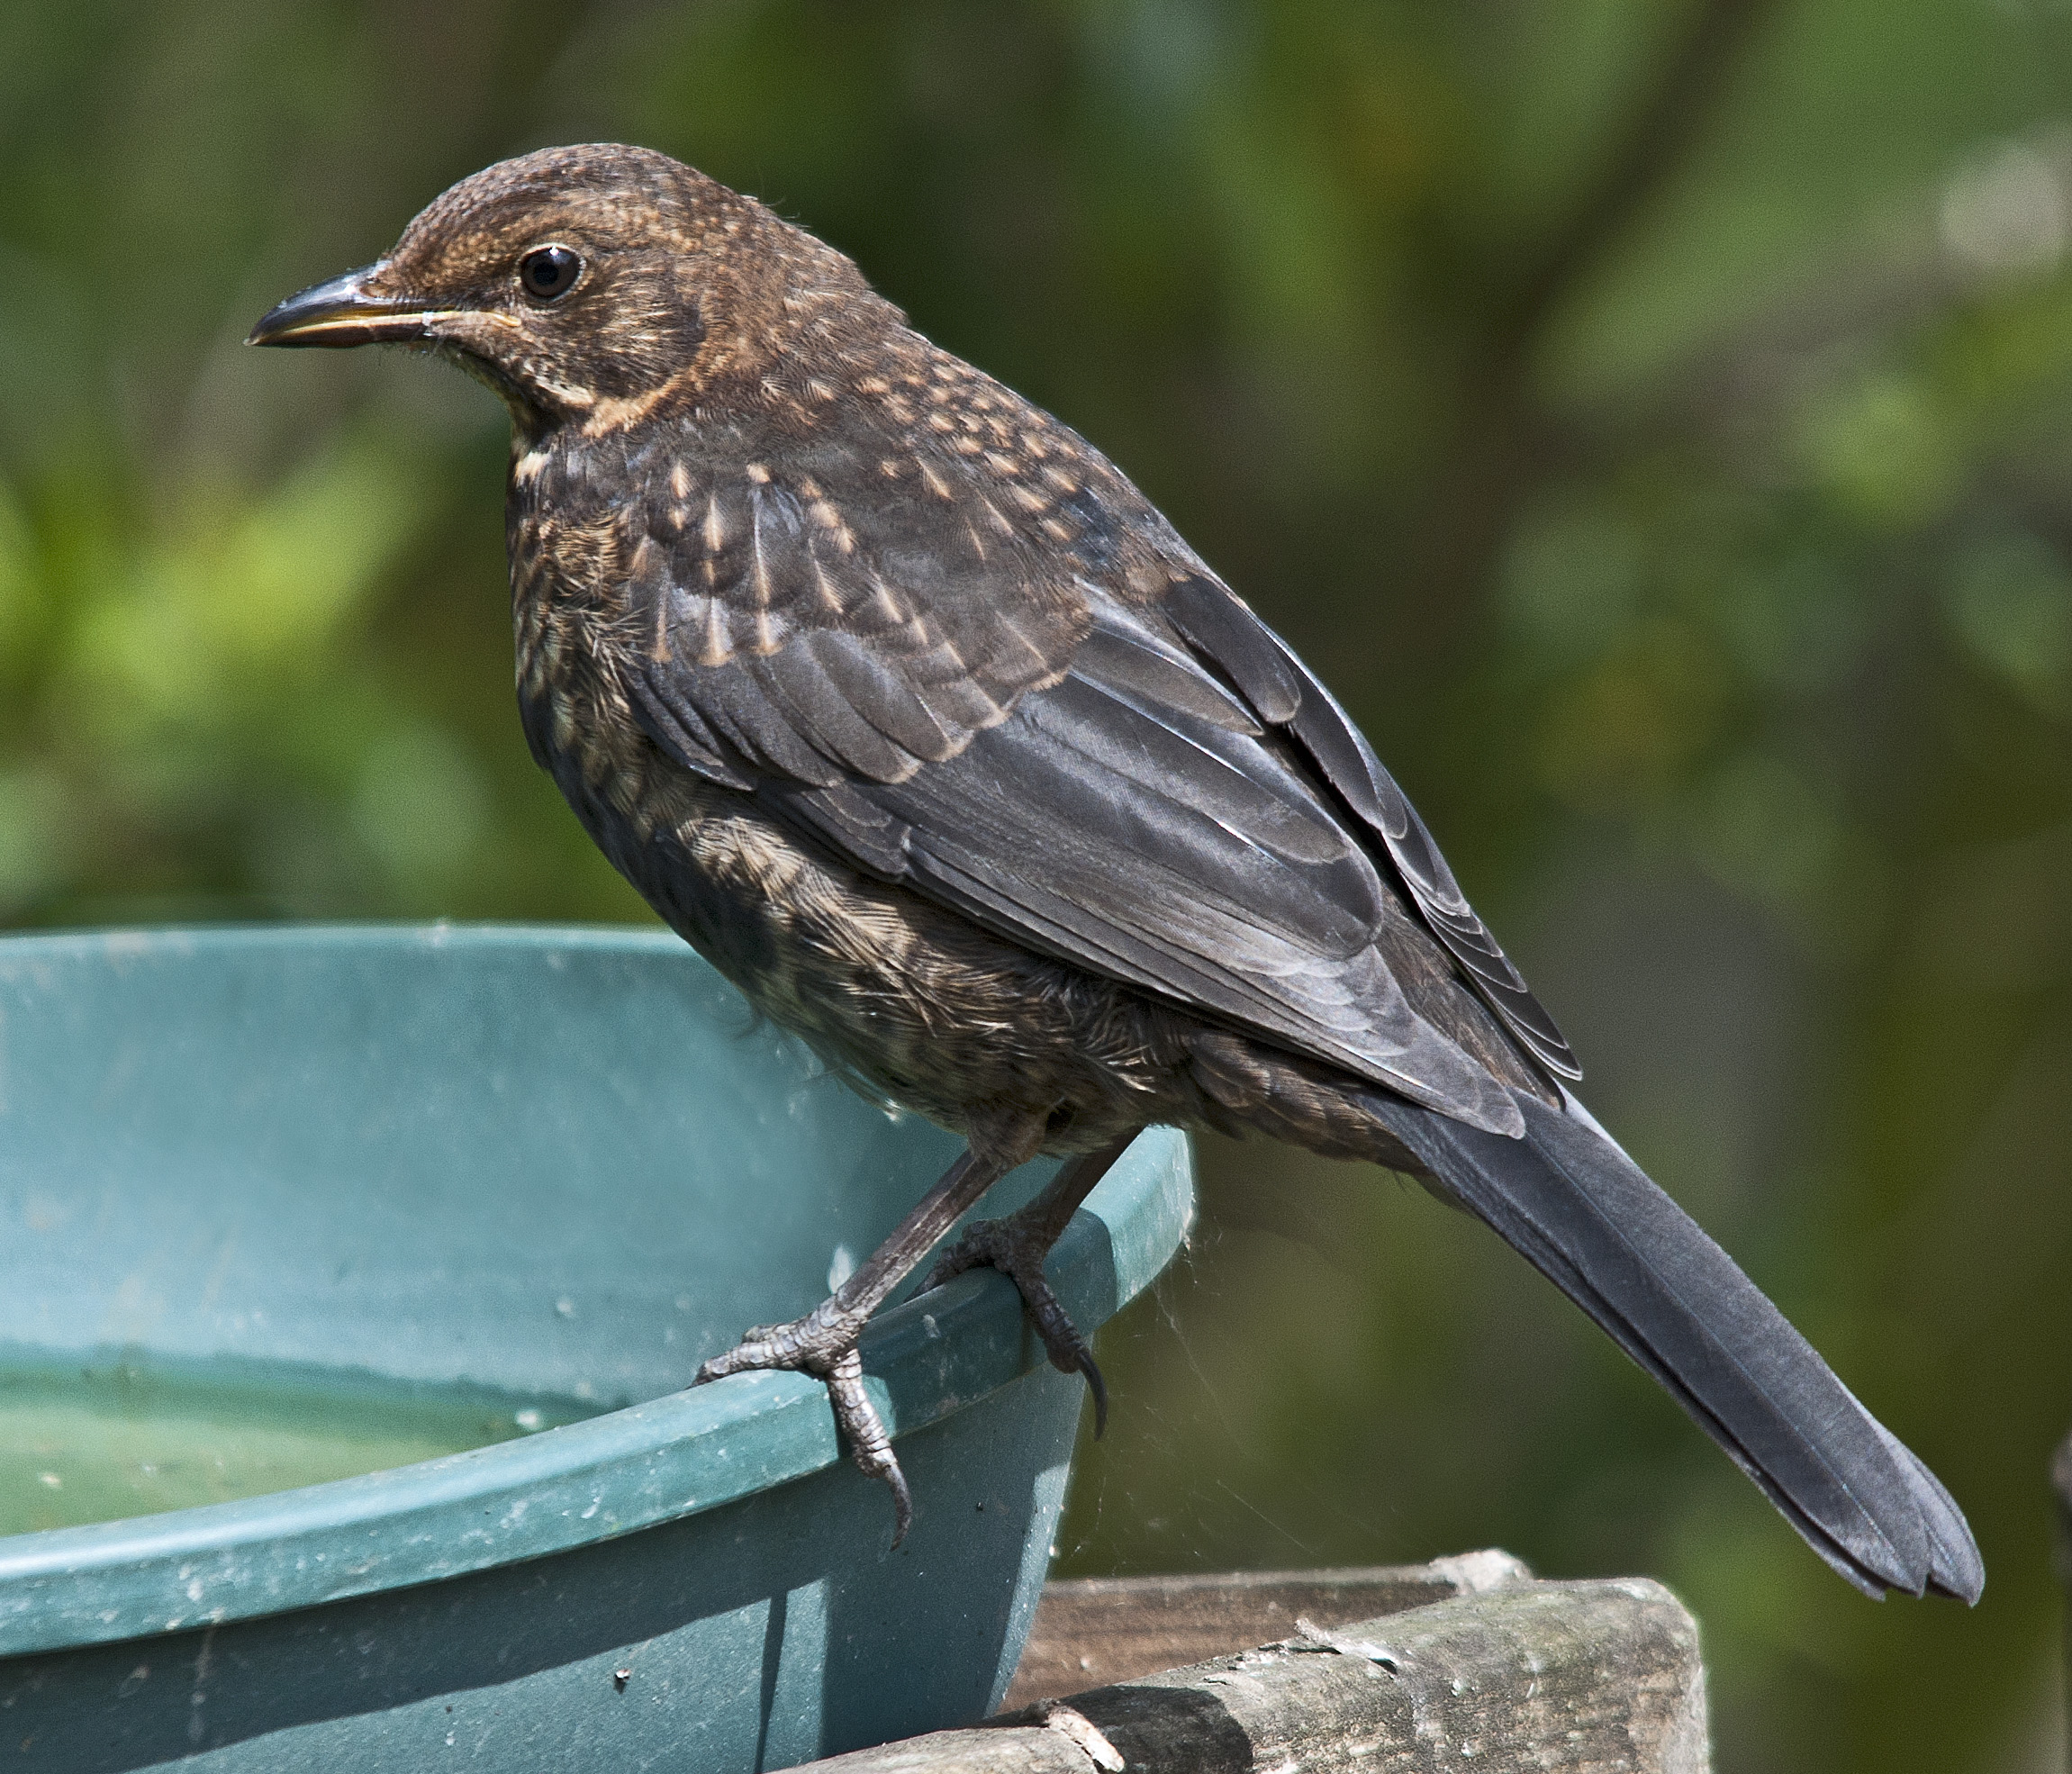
548	272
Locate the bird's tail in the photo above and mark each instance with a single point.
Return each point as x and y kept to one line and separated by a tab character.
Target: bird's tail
1590	1220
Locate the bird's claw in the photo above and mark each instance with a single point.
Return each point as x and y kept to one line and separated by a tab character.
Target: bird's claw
1019	1253
823	1343
870	1445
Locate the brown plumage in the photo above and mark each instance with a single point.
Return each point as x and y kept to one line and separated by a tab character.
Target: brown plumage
903	706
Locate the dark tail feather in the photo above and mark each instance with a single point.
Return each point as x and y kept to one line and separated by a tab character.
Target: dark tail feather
1590	1219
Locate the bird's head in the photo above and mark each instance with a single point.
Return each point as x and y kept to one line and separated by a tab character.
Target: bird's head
584	284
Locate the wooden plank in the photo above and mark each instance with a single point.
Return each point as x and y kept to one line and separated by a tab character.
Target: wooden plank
1092	1630
1596	1677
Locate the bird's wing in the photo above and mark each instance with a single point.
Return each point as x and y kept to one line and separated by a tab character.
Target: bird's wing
1221	628
1171	847
990	721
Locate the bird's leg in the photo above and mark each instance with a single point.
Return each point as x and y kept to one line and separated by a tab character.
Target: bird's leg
823	1343
1017	1248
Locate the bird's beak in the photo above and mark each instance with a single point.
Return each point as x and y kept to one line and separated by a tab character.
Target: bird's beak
345	312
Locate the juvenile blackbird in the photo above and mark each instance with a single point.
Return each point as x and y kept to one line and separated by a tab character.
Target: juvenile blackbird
895	699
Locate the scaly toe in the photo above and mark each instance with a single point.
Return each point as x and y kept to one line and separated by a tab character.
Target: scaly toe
1001	1245
823	1343
970	1250
1063	1344
758	1349
870	1446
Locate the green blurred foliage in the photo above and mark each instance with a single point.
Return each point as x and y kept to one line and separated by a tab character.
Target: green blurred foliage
1654	419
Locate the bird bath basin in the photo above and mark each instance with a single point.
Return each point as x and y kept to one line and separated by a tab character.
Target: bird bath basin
285	1206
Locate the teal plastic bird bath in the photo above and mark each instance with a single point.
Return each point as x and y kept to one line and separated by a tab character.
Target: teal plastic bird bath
287	1204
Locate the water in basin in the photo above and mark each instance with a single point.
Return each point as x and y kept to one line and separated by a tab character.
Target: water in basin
100	1438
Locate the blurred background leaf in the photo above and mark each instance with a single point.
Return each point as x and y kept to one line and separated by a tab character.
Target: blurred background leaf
1654	419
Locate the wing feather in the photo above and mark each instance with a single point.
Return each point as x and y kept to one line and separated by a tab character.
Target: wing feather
1228	635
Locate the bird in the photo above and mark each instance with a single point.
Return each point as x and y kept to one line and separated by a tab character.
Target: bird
901	704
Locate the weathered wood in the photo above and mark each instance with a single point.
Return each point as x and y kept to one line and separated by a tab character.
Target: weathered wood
1097	1630
1024	1749
1598	1676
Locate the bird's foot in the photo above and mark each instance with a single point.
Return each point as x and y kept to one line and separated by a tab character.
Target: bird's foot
823	1343
1017	1248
